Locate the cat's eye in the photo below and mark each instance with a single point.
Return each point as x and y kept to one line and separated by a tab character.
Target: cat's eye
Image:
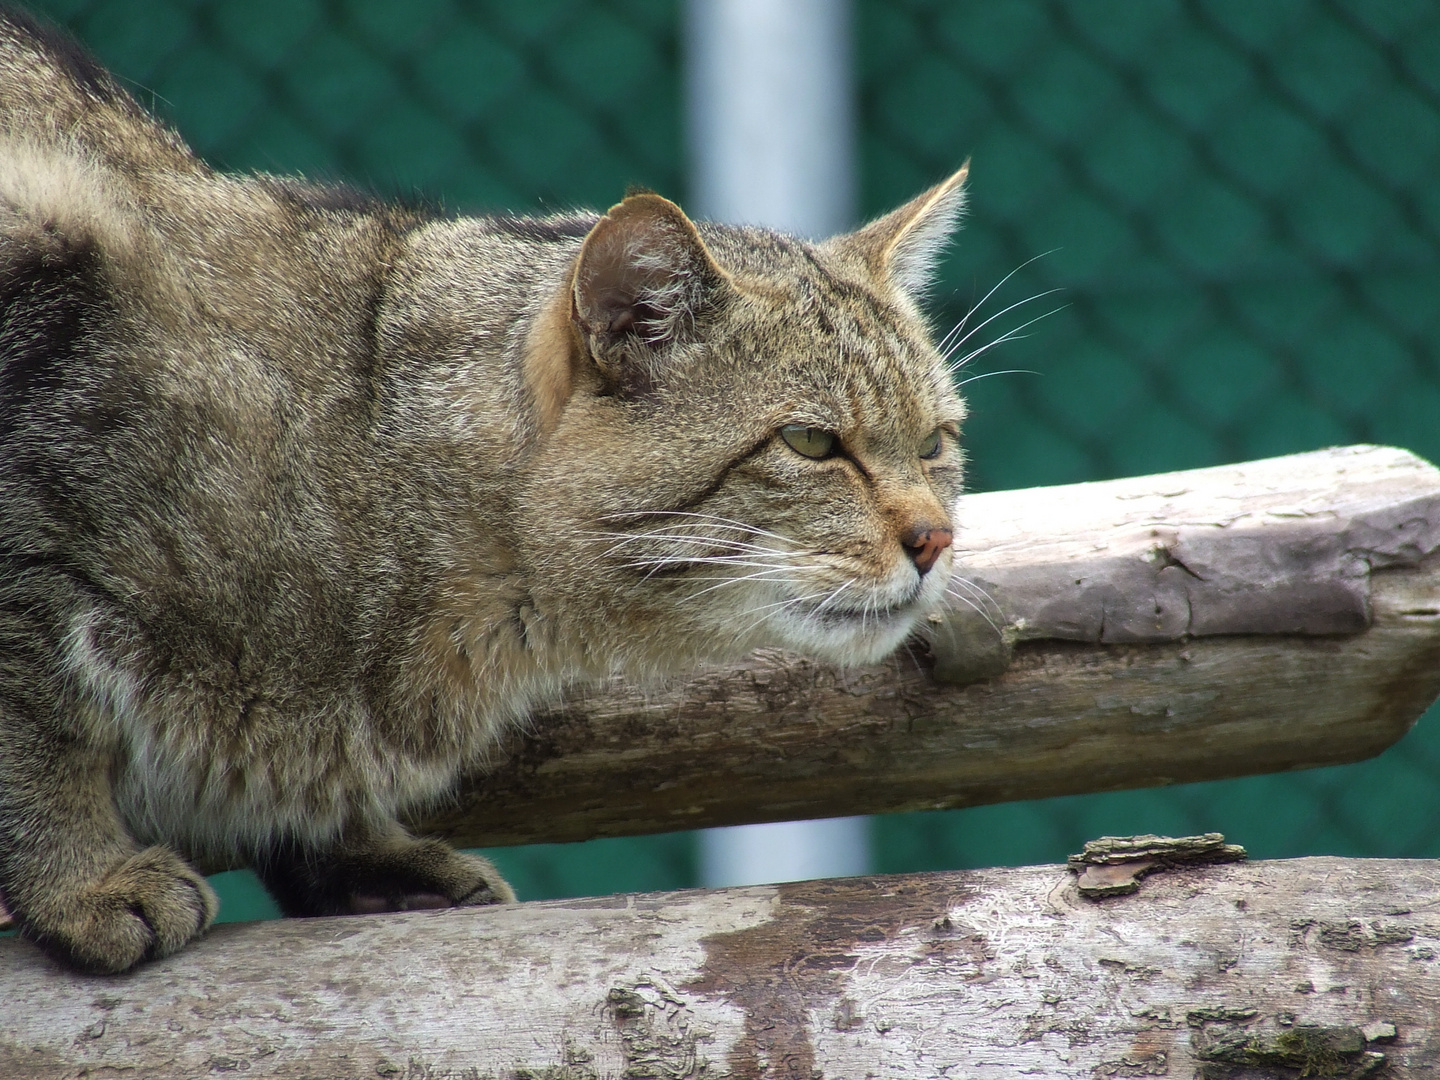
813	442
930	448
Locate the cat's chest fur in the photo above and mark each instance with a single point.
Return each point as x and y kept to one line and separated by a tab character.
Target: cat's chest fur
326	614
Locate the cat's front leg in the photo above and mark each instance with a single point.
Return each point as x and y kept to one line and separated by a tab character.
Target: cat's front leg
73	878
373	869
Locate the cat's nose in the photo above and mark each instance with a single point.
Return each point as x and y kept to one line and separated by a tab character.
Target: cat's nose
925	543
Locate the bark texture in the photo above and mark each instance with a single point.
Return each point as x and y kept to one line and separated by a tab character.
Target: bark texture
1254	618
1310	967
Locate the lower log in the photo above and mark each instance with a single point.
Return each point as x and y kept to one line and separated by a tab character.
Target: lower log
1306	967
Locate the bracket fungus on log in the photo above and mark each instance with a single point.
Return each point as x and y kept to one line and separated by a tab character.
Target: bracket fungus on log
1114	865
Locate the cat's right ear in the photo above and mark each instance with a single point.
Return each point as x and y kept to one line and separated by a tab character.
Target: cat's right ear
903	247
643	281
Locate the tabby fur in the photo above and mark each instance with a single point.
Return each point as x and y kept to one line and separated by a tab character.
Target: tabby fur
305	497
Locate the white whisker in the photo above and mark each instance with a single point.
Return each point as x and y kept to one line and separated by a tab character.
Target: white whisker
758	575
724	545
987	374
700	560
679	538
740	634
975	590
1009	335
779	603
764	568
993	290
915	660
977	609
833	596
728	522
1003	311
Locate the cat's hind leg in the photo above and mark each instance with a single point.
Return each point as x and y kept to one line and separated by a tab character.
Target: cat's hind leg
74	880
374	869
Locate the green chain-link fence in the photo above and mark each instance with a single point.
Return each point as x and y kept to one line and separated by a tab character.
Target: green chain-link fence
1237	201
1239	205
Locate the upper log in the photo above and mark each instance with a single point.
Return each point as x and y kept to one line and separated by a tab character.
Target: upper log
1275	615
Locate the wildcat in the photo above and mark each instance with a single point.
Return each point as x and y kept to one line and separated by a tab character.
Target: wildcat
305	497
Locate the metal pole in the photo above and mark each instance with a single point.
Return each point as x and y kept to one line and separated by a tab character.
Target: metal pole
770	107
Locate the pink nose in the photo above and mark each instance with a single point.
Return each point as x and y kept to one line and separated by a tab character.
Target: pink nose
925	546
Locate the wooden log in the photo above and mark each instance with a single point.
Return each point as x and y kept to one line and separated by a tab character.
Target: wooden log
1221	622
1309	967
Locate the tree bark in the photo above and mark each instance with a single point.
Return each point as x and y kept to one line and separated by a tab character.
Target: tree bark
1221	622
1307	967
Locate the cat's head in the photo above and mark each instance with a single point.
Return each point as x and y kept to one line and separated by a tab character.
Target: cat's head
752	440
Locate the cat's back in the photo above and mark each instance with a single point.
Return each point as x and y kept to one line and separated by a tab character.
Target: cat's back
53	93
186	359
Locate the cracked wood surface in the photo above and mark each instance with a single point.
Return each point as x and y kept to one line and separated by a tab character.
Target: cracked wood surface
1246	970
1220	622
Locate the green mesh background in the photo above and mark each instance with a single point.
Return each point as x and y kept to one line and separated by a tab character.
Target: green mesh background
1237	201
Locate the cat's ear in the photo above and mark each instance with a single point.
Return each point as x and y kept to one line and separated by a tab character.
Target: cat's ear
903	247
642	281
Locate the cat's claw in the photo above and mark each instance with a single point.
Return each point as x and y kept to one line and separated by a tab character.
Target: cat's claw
491	890
486	884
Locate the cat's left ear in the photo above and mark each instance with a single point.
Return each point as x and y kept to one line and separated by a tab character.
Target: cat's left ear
642	282
903	247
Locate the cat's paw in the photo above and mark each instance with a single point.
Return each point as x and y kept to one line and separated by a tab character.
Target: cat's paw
384	869
430	874
149	906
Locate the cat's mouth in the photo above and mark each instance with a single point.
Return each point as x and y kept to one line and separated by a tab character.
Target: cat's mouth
891	601
859	625
870	613
853	633
878	616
